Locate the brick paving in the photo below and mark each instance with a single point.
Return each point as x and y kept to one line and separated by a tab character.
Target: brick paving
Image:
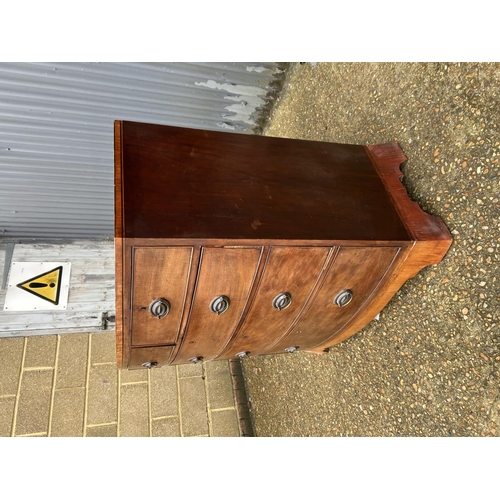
69	385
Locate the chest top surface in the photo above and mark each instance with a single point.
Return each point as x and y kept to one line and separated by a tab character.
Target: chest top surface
186	183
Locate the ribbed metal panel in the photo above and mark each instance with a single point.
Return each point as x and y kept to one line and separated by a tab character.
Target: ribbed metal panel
56	131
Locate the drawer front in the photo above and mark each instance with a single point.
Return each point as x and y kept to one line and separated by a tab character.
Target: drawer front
146	357
159	273
225	278
287	282
351	280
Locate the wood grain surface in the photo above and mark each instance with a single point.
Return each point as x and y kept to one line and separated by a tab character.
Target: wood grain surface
292	270
356	269
158	355
189	183
223	271
159	273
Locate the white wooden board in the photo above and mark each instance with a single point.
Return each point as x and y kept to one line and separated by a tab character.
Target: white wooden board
91	297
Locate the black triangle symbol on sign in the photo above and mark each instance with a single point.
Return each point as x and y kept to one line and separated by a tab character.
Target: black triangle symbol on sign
46	286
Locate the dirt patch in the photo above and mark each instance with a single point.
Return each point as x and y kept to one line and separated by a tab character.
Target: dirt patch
430	365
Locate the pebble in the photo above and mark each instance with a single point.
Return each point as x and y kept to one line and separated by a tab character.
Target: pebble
436	378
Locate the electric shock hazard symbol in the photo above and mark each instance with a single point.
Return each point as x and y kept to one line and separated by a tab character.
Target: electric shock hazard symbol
38	286
47	286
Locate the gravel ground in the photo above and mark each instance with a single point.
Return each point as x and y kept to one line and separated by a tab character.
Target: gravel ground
430	365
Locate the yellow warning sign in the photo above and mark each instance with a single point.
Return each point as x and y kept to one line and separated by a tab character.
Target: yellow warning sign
47	286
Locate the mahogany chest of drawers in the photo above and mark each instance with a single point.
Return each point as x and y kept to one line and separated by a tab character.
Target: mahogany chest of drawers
232	245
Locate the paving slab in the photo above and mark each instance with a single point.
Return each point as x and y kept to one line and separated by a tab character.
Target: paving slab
11	355
194	415
34	402
72	361
40	351
102	395
134	410
68	413
7	405
166	427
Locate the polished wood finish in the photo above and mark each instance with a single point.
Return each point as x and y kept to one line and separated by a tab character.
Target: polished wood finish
387	159
359	270
202	214
295	270
430	240
159	273
226	272
157	356
233	186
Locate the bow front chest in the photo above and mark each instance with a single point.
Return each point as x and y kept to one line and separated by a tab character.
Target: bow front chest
232	245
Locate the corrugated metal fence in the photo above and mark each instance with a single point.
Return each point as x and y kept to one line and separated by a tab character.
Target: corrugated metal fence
56	131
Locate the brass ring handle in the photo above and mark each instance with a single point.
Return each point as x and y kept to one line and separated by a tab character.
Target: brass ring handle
159	308
343	298
282	301
220	304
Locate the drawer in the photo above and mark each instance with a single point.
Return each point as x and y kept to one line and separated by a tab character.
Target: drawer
354	275
158	273
157	356
287	282
223	284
